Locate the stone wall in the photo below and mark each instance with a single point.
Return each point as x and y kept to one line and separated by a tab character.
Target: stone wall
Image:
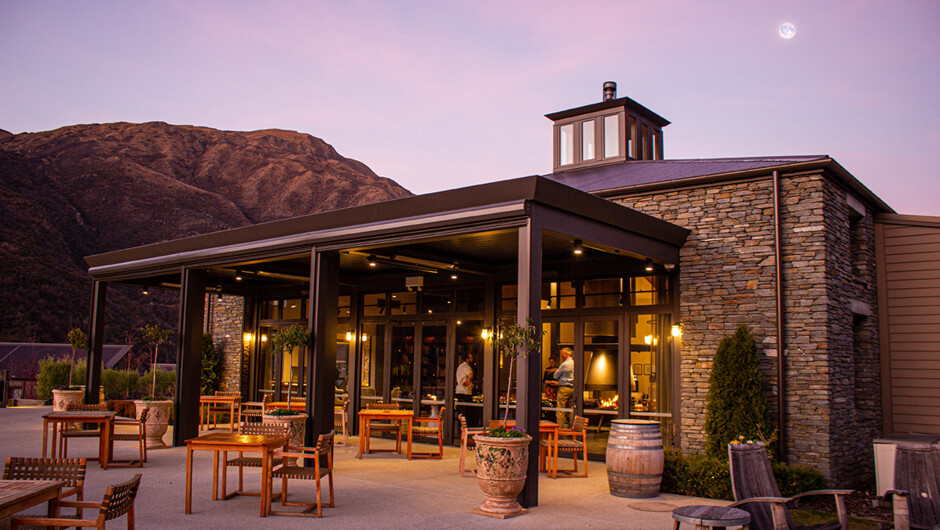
727	278
224	321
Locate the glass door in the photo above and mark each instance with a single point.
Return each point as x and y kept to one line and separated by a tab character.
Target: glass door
468	380
402	366
559	398
650	369
601	369
433	369
374	370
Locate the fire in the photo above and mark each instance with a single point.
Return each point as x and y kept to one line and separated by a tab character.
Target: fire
610	403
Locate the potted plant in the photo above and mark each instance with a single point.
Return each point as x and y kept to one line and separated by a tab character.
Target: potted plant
503	453
158	417
68	394
296	423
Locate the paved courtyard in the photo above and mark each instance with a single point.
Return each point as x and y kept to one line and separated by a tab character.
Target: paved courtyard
380	491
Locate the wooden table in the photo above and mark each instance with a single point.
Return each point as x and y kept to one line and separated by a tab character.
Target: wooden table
205	405
248	443
18	495
60	419
367	415
710	517
549	429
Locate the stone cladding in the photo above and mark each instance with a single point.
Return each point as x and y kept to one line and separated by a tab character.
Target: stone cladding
224	320
727	278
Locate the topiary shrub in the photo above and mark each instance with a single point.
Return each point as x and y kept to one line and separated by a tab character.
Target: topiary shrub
52	375
737	405
210	367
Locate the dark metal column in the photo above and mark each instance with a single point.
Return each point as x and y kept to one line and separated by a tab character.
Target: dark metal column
489	361
321	359
529	381
95	341
189	358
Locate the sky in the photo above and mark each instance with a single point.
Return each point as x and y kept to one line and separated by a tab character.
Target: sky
444	94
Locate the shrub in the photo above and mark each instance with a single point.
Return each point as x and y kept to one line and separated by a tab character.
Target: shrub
210	367
163	381
737	405
120	384
797	479
52	375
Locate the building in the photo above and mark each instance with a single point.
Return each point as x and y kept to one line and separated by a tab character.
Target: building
639	264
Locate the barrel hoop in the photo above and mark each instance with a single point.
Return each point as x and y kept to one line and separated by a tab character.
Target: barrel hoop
630	475
639	448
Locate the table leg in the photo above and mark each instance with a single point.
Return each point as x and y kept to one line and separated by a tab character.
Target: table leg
215	475
265	480
104	447
189	479
554	438
362	436
45	435
410	423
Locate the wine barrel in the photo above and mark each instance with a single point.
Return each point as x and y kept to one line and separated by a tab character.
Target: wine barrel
634	458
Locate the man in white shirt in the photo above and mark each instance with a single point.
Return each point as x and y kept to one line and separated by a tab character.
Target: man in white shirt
565	376
464	389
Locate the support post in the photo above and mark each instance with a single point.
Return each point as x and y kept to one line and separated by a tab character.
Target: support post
189	357
529	381
95	341
321	359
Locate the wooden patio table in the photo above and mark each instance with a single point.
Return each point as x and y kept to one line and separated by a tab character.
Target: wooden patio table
221	441
549	429
367	415
60	419
18	495
205	405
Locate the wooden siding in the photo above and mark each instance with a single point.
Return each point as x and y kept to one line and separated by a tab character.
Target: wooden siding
908	253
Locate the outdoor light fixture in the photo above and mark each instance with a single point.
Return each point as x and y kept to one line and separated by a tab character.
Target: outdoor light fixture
649	265
238	275
648	339
578	247
264	338
372	262
219	296
453	276
365	337
146	290
677	330
349	336
247	337
485	334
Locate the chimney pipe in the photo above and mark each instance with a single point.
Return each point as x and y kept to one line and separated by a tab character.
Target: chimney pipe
610	90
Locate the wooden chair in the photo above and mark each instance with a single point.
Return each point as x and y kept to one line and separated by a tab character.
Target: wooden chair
71	470
466	443
242	461
118	500
755	491
382	427
138	437
290	471
340	421
214	409
427	427
253	410
569	442
73	431
916	497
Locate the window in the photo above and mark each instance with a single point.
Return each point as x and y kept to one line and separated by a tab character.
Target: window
611	136
587	140
566	145
649	290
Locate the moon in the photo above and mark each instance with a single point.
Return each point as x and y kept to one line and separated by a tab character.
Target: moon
787	30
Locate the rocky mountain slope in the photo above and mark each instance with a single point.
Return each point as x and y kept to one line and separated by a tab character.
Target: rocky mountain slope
86	189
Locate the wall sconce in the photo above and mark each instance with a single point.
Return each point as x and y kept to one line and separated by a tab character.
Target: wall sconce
247	337
649	265
677	330
485	334
349	336
578	247
264	338
365	337
146	291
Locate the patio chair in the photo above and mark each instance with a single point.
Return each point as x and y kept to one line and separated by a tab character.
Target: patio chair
118	500
571	441
428	427
73	431
382	427
916	497
466	443
71	470
253	410
340	421
242	461
317	472
755	491
137	437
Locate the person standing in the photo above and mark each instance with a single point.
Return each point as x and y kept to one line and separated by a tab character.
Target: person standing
464	388
565	376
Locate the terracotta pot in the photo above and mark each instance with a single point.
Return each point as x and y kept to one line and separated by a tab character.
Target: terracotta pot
157	420
61	399
501	472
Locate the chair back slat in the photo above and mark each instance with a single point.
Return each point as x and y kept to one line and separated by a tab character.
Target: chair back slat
71	470
382	406
917	470
85	407
275	429
579	424
119	499
463	423
752	476
227	394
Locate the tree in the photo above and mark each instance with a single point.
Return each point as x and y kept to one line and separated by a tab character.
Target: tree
154	336
78	341
210	367
737	405
296	336
517	341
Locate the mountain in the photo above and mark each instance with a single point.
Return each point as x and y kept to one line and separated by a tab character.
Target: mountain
87	189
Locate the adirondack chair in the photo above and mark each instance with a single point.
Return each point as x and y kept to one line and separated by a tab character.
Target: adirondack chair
916	499
756	491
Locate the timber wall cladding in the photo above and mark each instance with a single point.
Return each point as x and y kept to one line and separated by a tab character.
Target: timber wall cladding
908	249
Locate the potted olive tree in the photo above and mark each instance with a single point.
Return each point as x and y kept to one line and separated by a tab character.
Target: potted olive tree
503	453
68	394
158	418
286	341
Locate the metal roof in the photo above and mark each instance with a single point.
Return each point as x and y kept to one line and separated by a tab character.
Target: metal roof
21	359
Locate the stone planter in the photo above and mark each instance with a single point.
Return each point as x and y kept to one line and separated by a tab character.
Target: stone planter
61	399
157	420
297	424
501	474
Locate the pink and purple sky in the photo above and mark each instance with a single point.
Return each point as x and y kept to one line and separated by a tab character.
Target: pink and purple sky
445	94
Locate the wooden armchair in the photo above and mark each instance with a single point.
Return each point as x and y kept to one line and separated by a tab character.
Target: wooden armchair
916	497
72	430
571	441
341	421
118	500
427	427
289	471
755	491
242	461
138	437
71	470
253	410
383	427
466	443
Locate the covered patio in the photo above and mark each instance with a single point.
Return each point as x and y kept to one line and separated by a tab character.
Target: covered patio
518	232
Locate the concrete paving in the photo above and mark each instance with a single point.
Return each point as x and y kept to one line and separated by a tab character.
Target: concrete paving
382	490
